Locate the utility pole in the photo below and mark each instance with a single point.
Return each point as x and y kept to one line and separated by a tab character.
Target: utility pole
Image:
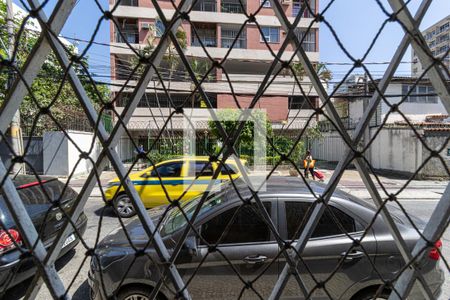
366	138
14	128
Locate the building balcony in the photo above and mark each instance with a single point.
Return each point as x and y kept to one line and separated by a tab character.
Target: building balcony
129	2
130	36
219	53
205	5
229	34
297	6
206	33
228	42
205	40
233	6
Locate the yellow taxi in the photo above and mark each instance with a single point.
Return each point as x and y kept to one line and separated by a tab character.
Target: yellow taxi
189	175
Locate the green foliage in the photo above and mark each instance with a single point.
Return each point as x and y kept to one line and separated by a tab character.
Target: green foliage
50	88
245	142
284	145
157	157
323	72
200	67
321	69
313	133
170	57
245	146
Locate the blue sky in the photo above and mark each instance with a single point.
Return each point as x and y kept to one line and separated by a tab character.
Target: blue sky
355	22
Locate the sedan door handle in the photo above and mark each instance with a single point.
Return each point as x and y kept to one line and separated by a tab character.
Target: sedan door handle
255	259
355	254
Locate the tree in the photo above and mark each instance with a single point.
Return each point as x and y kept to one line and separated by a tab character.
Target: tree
320	68
49	89
200	67
170	59
228	119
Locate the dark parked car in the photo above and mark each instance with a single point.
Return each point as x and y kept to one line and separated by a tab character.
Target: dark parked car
46	219
251	248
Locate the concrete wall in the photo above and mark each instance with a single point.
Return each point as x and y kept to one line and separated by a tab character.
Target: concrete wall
436	167
330	148
61	153
393	149
125	149
396	150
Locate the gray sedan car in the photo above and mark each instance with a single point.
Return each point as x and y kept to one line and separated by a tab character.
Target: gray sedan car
246	262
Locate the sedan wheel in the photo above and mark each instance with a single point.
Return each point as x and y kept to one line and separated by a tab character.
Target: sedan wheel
137	297
136	293
124	207
370	296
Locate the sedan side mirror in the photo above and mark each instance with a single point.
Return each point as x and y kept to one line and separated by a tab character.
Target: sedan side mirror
190	244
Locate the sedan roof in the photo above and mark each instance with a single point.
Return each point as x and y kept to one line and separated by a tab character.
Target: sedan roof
277	185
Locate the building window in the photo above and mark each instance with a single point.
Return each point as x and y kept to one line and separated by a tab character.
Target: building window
129	2
442	38
419	94
230	33
265	3
308	39
271	34
205	5
300	102
206	34
233	6
159	28
128	32
443	28
307	13
442	49
152	100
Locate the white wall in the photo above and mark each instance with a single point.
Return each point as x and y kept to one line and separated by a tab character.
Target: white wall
331	147
61	155
55	153
356	110
414	111
396	149
393	149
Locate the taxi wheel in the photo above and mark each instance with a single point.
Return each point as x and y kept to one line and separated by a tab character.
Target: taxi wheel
138	292
124	206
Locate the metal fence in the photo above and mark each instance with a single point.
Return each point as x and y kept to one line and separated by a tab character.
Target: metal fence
291	250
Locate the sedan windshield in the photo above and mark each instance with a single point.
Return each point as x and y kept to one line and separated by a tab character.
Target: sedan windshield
175	219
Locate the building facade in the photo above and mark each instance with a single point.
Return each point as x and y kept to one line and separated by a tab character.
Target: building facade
394	146
417	102
438	39
215	24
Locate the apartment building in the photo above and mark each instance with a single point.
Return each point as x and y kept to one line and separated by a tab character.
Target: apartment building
438	39
215	24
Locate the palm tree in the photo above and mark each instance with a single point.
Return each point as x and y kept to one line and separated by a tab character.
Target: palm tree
170	59
323	72
200	67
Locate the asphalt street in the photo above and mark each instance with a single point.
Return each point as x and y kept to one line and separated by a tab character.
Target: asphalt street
419	199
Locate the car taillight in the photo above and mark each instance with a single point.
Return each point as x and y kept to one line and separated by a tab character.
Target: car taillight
6	240
434	253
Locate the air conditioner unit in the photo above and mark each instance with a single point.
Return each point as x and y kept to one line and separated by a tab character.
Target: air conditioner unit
286	2
145	25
